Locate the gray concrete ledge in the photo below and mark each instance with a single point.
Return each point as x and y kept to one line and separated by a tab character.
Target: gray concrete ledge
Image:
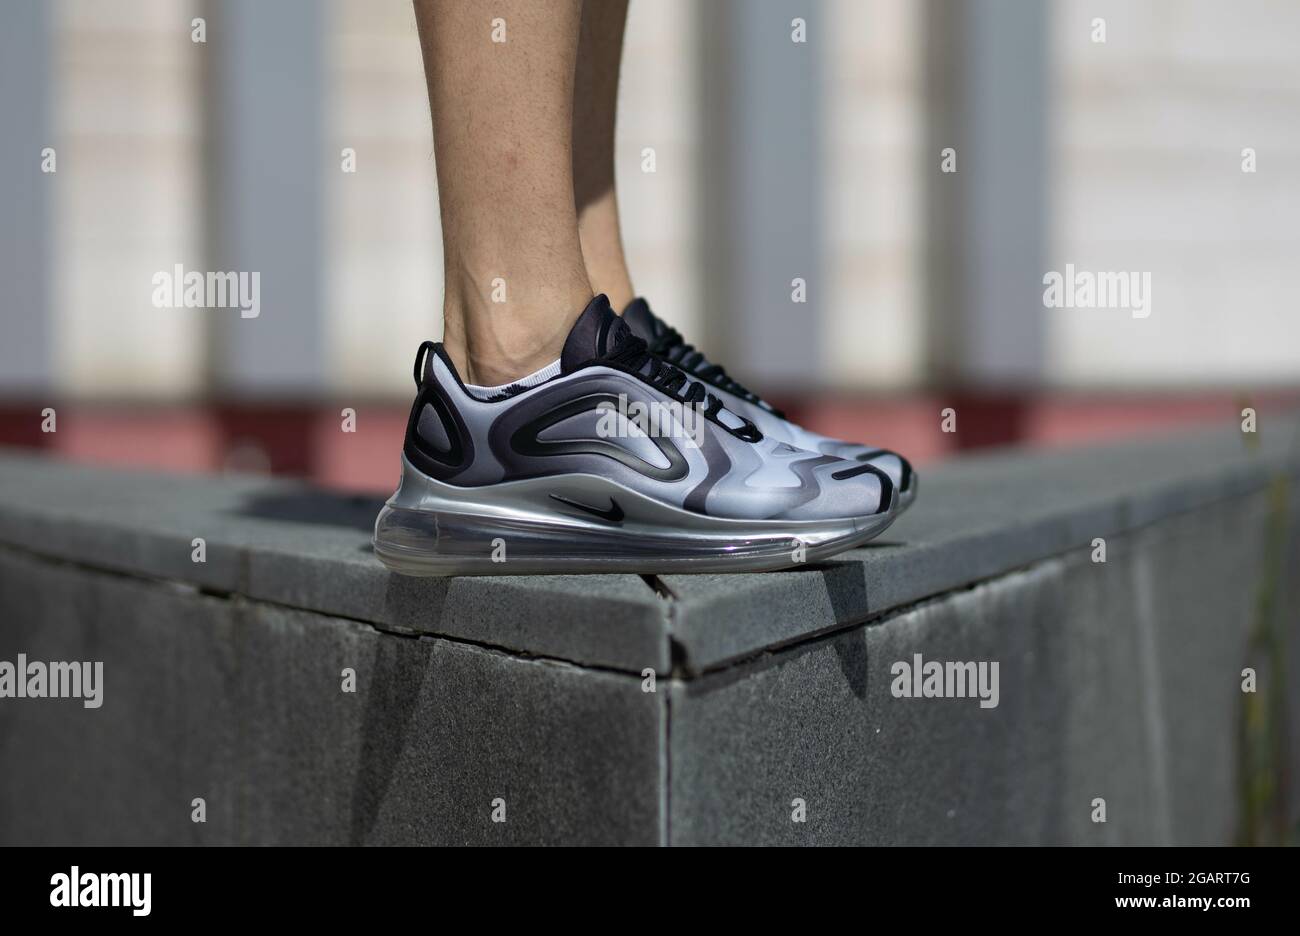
288	544
1119	680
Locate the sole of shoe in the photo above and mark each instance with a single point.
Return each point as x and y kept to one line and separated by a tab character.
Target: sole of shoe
585	523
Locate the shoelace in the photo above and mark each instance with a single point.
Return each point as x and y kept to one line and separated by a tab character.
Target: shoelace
671	345
635	354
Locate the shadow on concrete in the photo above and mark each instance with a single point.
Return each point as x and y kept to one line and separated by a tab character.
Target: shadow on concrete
355	511
399	669
851	652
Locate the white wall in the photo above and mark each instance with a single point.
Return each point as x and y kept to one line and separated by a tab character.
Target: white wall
126	196
1147	133
658	108
1149	129
384	245
873	323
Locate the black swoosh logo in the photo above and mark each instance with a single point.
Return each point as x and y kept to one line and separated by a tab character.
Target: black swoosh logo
613	515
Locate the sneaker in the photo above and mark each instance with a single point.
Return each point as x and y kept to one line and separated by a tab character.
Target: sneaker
666	342
617	463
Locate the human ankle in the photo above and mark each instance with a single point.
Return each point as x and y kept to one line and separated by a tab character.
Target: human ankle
493	344
602	251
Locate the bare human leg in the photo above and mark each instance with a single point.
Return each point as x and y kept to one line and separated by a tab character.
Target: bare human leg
502	128
595	102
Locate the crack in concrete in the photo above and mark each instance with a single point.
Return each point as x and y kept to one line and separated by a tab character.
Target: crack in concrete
238	598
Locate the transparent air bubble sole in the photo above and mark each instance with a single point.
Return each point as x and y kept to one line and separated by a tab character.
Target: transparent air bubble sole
424	542
532	526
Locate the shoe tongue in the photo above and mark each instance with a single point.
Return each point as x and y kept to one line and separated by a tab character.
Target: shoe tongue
597	332
644	323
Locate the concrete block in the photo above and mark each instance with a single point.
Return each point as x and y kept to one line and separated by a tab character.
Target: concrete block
223	680
1118	680
241	704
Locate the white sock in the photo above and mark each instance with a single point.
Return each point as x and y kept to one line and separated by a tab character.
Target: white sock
515	386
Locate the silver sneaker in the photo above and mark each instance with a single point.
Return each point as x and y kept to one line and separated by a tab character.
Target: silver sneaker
666	342
621	463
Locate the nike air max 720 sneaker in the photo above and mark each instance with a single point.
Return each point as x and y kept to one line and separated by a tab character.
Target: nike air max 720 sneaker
618	462
666	343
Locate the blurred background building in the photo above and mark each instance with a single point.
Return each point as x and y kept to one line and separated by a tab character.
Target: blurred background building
774	161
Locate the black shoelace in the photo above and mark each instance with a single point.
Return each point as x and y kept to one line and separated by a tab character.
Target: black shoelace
634	354
671	345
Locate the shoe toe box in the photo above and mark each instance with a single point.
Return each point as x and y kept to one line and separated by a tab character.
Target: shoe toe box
896	466
846	489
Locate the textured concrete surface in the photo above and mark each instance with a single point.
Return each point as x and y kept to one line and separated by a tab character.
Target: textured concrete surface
242	704
285	543
977	517
1119	680
223	679
288	544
